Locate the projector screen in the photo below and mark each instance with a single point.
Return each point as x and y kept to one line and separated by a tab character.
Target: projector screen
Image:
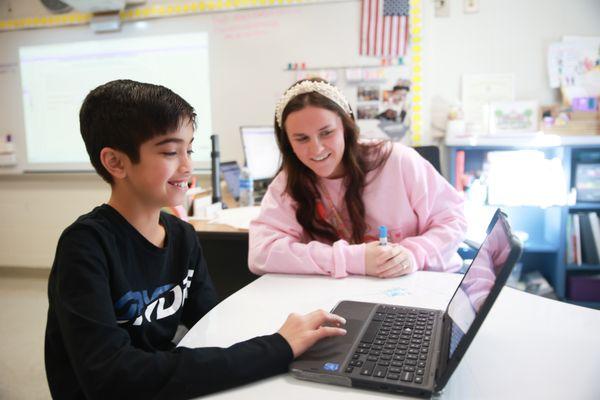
56	78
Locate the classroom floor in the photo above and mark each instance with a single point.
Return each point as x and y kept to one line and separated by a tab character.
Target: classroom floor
22	323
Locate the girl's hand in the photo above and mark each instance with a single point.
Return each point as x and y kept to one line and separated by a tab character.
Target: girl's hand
387	261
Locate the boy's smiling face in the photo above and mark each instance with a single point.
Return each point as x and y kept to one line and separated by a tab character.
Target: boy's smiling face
161	176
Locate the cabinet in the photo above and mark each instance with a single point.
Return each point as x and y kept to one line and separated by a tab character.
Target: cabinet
543	224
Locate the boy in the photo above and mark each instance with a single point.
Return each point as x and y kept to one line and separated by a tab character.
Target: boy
126	275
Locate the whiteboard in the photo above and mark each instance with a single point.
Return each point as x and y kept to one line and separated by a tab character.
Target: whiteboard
249	52
56	78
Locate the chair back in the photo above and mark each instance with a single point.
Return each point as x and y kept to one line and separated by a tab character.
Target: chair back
431	154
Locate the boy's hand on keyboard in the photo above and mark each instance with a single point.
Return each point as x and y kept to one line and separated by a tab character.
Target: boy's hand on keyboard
387	261
302	331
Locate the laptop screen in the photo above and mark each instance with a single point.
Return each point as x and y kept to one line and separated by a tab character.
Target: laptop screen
231	172
479	281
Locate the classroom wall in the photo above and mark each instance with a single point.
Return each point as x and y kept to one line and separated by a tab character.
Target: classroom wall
505	36
35	208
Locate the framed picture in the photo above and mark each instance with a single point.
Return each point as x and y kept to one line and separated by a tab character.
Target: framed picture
367	112
367	93
509	117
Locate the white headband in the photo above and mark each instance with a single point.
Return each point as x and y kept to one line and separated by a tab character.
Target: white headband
323	88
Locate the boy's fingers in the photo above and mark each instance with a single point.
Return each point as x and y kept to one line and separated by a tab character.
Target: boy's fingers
320	317
316	316
334	318
326	331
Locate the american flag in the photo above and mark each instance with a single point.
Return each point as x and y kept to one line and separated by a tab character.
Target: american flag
384	28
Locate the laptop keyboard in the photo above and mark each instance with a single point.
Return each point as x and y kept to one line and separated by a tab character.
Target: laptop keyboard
395	345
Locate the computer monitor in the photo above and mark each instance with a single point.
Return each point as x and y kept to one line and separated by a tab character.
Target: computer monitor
260	151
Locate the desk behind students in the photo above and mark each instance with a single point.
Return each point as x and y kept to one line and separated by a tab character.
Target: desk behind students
528	348
225	246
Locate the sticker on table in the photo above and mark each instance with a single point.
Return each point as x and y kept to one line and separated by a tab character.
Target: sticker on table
329	366
396	292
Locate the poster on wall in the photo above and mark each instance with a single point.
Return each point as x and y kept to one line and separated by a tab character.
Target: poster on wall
513	117
394	118
574	66
380	97
478	91
383	110
367	101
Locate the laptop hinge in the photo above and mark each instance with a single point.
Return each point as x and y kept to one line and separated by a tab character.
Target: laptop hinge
445	346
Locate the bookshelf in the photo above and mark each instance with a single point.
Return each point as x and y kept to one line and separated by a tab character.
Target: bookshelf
544	227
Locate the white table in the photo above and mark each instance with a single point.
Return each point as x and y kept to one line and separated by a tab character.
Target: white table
528	348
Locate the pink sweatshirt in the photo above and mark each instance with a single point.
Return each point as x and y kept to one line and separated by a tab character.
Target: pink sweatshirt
421	210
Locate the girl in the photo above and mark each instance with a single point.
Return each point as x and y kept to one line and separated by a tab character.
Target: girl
322	211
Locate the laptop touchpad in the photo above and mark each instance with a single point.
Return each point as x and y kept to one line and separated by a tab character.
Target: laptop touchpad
334	349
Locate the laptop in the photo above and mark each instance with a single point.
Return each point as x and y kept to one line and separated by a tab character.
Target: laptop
409	350
231	173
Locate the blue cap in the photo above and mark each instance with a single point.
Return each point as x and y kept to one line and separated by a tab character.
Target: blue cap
383	231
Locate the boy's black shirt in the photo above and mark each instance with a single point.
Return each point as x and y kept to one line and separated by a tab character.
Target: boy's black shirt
115	301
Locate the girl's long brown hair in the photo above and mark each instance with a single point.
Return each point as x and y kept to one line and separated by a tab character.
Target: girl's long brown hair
358	160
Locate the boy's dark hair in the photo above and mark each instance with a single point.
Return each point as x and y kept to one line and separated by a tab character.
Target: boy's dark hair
123	114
